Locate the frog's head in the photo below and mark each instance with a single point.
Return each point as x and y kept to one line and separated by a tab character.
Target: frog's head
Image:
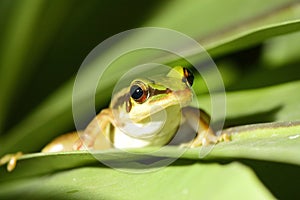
147	96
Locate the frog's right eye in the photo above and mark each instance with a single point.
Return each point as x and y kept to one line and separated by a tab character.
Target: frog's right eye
188	76
139	92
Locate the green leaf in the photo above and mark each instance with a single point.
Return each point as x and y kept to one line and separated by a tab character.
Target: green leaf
274	103
224	32
278	142
196	181
55	36
17	36
281	51
254	36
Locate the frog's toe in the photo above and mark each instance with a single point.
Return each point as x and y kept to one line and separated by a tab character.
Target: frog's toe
197	142
10	160
205	139
185	145
224	138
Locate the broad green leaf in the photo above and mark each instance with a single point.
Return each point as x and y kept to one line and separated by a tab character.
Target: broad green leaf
216	25
274	103
24	45
52	35
203	181
278	142
269	141
281	51
254	36
17	36
214	20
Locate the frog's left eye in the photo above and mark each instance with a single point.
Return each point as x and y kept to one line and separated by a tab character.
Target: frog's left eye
188	76
139	92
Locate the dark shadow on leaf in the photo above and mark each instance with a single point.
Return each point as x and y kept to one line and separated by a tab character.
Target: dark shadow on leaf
282	180
264	77
259	117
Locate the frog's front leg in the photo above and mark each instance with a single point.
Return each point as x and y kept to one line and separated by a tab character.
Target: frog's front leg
98	134
199	121
95	136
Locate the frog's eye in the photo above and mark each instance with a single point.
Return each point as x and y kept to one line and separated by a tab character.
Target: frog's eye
188	76
139	92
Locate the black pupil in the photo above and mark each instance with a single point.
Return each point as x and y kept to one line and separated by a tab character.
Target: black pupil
136	92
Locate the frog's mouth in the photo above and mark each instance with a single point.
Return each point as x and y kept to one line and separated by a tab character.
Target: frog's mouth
180	98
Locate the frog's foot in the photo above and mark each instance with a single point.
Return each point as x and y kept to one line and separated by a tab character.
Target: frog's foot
10	160
206	138
224	137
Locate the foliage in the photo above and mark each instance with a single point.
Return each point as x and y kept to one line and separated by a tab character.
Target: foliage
255	46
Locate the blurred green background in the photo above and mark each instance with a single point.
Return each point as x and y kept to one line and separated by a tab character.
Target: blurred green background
43	43
255	45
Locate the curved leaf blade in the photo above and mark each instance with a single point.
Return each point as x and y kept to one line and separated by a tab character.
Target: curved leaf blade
196	181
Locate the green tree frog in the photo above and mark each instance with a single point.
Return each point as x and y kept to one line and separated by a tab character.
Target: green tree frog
133	119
